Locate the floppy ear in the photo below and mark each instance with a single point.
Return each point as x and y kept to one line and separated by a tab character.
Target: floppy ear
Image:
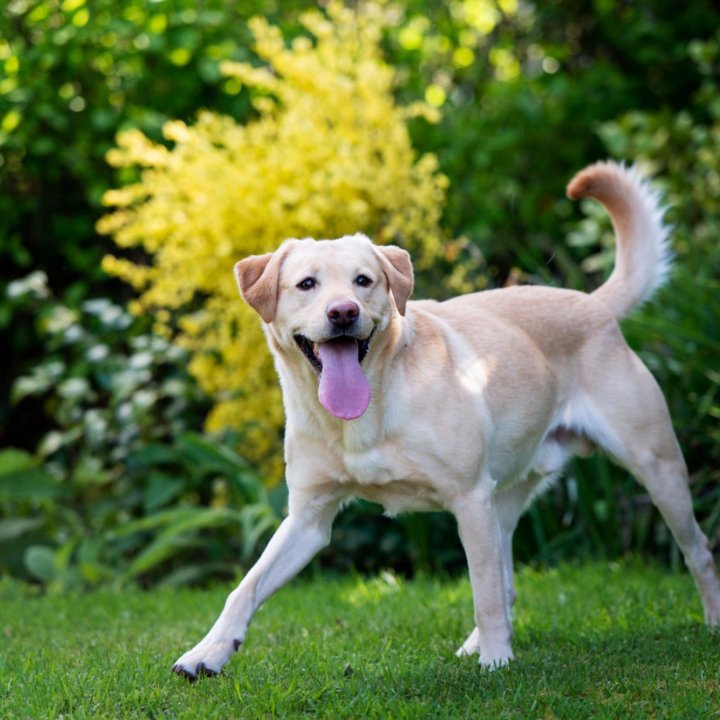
258	279
397	266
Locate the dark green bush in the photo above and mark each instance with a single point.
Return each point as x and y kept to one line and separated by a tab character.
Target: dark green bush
73	74
510	145
119	489
600	510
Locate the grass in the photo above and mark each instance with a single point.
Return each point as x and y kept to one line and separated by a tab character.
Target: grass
594	641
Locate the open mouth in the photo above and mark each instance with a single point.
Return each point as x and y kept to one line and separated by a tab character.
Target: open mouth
343	389
311	352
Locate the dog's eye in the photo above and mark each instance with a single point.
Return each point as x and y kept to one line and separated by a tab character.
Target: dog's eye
363	281
307	284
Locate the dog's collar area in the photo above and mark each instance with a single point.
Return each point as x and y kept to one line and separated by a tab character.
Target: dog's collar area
309	348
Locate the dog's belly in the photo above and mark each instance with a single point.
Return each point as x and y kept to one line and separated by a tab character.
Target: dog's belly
398	496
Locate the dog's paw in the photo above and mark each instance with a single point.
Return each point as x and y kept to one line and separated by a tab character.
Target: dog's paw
493	661
490	658
712	617
200	670
206	659
464	651
471	646
711	606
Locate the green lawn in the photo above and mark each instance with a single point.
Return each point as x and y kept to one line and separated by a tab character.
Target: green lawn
596	641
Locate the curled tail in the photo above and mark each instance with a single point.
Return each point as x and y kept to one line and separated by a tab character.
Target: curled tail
643	256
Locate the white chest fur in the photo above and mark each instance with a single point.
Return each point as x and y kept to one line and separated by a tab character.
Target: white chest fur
371	466
389	473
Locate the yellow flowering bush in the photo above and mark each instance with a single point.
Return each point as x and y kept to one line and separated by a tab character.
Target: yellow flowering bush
327	153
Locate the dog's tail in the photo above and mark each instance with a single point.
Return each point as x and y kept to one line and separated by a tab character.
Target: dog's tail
643	255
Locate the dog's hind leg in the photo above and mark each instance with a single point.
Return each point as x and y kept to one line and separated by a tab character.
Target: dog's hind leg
635	428
666	480
304	532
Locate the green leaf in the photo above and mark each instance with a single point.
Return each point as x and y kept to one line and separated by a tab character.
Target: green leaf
172	539
216	458
256	520
22	479
154	454
35	384
12	460
152	522
11	528
206	453
192	574
40	562
160	490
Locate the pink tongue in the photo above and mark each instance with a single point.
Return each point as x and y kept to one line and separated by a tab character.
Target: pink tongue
344	392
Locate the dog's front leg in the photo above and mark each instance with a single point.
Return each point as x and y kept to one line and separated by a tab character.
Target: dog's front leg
480	534
304	532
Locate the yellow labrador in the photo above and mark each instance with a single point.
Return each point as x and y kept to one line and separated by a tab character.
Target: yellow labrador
467	405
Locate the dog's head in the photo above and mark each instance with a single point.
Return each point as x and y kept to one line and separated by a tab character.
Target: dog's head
328	300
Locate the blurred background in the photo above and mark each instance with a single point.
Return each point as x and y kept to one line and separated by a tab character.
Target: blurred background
147	146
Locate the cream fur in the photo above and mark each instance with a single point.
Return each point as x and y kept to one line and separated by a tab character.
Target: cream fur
476	402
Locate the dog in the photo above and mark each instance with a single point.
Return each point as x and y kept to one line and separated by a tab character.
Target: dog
468	405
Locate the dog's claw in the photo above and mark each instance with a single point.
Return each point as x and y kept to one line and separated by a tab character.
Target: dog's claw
182	672
201	670
204	670
236	644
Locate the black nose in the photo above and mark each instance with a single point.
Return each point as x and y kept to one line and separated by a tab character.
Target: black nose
343	314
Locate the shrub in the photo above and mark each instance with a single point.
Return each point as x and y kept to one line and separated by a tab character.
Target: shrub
597	509
524	87
72	74
678	336
119	489
327	154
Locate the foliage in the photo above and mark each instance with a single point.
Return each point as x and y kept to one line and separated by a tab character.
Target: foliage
681	341
676	334
108	385
522	89
366	540
327	144
118	489
190	510
619	641
528	92
72	74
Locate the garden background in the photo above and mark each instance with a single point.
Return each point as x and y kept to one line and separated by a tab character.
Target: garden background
146	146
